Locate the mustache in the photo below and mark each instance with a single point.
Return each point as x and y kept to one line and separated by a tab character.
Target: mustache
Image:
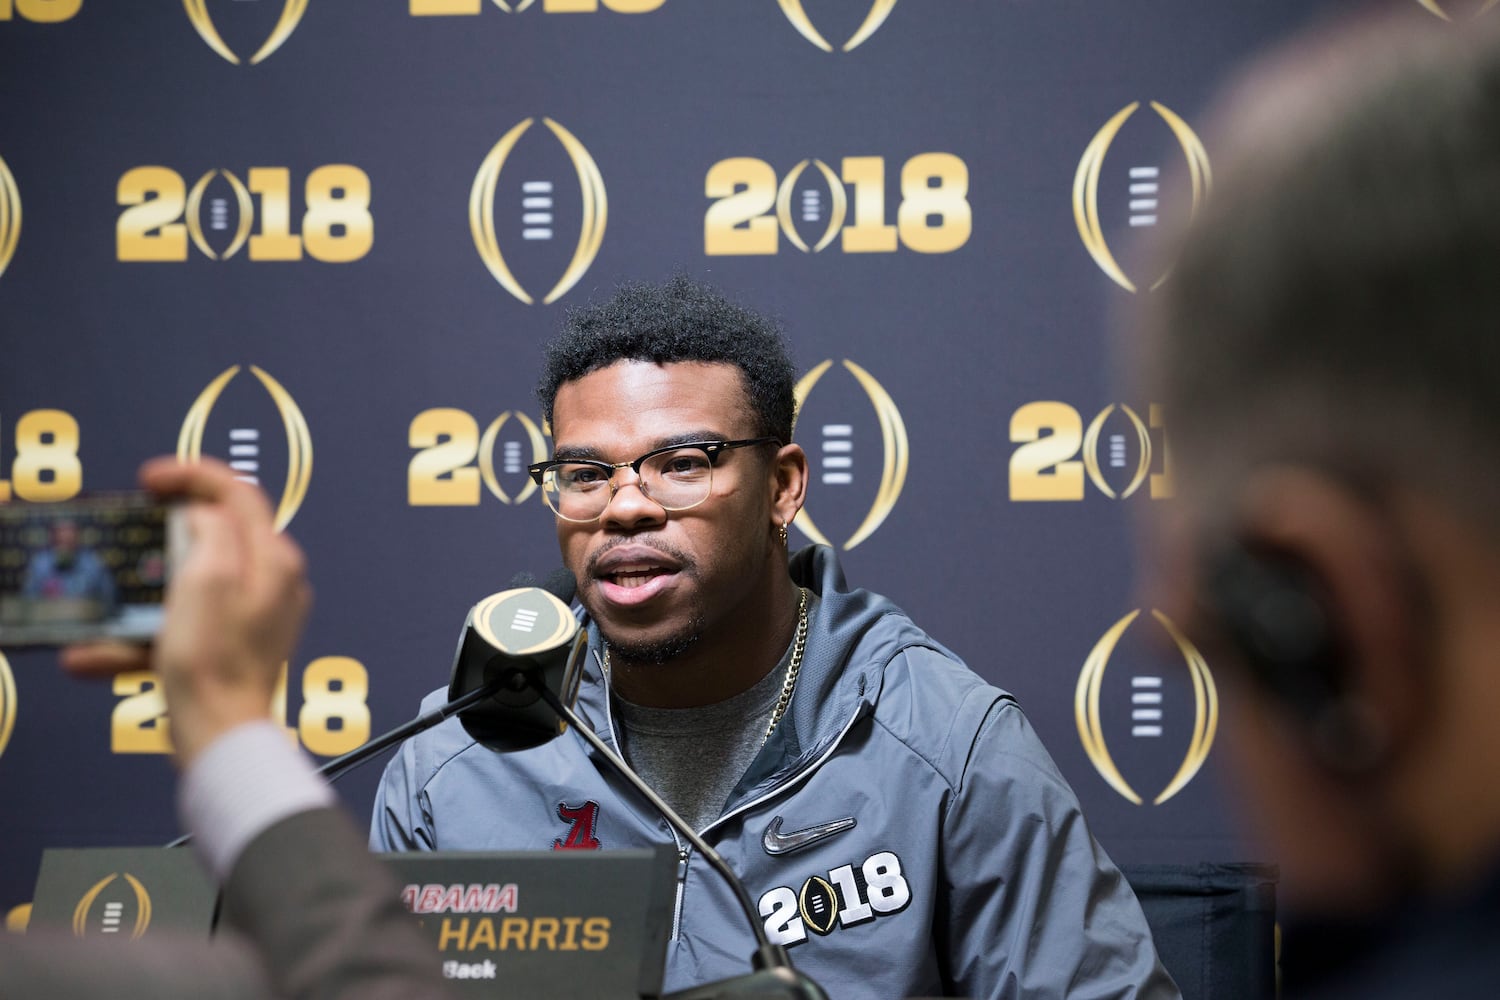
684	561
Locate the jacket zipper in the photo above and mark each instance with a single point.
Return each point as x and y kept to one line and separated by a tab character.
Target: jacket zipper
786	785
682	862
772	793
683	850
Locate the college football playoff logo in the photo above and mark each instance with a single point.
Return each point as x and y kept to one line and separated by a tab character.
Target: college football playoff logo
193	214
1144	186
539	453
1090	449
838	459
879	11
245	448
10	216
539	211
291	14
838	201
847	896
114	903
7	702
1150	714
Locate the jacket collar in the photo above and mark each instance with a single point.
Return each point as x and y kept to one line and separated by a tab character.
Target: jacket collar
853	634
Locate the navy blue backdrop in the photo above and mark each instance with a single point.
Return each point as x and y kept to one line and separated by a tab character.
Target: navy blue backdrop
325	238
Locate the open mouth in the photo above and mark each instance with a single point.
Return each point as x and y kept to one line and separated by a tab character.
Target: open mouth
631	577
635	575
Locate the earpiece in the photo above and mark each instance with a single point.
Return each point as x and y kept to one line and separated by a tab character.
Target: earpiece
1274	612
1271	609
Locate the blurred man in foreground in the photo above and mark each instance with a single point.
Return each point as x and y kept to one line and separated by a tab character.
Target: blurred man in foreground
309	912
1328	357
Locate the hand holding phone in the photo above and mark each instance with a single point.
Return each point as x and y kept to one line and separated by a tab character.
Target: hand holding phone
233	613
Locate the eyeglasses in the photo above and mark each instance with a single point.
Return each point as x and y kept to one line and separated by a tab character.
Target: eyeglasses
676	477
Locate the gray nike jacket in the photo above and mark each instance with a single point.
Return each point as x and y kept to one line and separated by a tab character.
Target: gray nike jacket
903	831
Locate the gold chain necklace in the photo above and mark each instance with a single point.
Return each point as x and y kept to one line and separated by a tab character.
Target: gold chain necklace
792	670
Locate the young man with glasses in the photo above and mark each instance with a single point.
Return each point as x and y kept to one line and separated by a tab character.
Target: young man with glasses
898	824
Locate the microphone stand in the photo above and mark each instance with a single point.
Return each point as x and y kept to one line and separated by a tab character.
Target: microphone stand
344	762
774	977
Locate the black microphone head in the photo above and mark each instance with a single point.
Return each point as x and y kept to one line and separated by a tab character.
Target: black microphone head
524	637
523	579
562	584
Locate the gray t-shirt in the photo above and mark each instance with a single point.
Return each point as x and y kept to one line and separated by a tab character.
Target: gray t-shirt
693	757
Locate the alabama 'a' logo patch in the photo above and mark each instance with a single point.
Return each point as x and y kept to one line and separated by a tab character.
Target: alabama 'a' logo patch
582	822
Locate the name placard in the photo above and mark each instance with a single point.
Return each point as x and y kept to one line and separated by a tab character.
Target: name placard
547	924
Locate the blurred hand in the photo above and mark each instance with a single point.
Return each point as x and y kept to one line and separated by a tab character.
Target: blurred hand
233	613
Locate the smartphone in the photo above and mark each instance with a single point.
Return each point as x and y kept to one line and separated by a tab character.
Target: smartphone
91	568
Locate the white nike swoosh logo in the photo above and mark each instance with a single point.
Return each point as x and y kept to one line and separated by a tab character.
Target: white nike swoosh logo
776	842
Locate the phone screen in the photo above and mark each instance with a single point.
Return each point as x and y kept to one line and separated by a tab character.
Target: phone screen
90	568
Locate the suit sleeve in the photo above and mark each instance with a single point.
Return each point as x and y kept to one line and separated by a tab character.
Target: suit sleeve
163	966
1035	909
308	913
326	917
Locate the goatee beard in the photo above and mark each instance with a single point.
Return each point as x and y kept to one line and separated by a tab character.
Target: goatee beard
657	652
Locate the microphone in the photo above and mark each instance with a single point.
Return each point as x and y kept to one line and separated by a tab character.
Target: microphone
511	642
515	644
480	671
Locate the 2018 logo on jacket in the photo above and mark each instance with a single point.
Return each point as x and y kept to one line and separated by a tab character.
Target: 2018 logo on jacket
846	896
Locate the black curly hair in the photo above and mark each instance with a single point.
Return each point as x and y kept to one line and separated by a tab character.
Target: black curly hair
677	320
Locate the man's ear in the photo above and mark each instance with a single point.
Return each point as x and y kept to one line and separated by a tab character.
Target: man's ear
1313	595
788	483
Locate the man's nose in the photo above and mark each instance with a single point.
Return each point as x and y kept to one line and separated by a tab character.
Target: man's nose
629	505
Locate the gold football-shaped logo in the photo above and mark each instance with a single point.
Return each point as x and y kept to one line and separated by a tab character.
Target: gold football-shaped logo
193	215
487	455
895	452
819	904
7	702
524	621
1086	184
595	211
10	216
298	438
1089	716
879	11
114	903
291	14
838	209
1090	451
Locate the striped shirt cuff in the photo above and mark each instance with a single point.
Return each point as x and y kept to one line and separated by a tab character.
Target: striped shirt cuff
247	781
